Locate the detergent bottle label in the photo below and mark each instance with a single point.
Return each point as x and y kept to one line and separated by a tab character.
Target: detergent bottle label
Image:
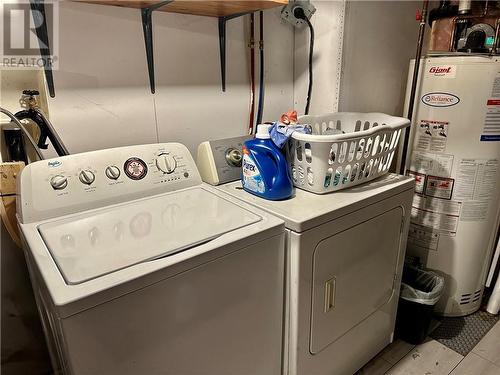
252	178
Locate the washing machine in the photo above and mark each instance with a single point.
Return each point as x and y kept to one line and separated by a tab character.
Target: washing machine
140	268
344	258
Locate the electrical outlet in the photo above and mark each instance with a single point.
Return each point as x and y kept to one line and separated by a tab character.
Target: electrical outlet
287	11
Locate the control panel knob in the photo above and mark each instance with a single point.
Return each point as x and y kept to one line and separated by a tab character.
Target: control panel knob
59	182
166	163
233	157
112	172
86	177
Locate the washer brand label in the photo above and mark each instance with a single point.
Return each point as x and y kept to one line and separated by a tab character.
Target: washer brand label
54	163
440	99
443	71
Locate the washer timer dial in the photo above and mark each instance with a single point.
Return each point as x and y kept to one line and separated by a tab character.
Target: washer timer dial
166	163
135	168
233	157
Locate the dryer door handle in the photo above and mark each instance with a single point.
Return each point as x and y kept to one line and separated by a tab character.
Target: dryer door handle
330	294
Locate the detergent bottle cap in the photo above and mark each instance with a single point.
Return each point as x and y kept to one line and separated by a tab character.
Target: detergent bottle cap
263	131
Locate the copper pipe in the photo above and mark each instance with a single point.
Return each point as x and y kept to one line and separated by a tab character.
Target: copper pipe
497	35
452	36
485	10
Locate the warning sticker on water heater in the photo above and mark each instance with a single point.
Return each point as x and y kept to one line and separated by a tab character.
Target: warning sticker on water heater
419	181
437	215
491	127
444	223
423	237
476	179
439	187
475	211
476	182
432	135
440	206
432	164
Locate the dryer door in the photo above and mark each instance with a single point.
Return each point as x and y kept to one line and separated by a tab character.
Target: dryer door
353	276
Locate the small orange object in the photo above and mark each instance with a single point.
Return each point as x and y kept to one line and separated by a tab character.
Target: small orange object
289	117
418	15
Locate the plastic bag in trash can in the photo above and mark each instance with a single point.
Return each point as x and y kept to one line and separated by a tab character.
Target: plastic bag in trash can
421	286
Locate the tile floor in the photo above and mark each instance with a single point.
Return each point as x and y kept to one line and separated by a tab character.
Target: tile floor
433	358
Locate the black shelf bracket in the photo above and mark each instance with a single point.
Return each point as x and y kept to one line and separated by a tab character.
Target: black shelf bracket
222	45
38	13
147	28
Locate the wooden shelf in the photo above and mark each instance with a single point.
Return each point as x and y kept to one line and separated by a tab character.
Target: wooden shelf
217	8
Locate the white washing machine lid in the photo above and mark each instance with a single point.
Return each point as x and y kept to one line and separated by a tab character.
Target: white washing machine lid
94	244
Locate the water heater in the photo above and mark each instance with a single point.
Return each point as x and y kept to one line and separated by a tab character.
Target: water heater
454	155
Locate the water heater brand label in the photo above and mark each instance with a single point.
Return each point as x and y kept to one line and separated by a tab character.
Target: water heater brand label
440	99
443	71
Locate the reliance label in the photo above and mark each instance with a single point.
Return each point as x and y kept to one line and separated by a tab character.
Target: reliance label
440	99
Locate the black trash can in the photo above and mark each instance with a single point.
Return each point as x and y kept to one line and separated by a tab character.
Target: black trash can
420	291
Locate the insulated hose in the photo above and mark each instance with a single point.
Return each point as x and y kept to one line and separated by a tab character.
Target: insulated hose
260	108
251	126
298	12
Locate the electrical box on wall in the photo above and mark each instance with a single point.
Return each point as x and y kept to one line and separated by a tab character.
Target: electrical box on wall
287	13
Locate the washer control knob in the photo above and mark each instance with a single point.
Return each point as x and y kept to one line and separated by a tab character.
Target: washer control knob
59	182
86	177
233	157
112	172
166	163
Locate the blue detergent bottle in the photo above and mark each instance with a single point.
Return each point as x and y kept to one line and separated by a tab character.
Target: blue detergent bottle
265	170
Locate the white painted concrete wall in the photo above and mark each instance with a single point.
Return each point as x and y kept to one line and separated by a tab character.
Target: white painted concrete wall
328	23
379	41
362	49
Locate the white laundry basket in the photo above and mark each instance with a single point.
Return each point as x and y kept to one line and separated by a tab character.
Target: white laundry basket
322	162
